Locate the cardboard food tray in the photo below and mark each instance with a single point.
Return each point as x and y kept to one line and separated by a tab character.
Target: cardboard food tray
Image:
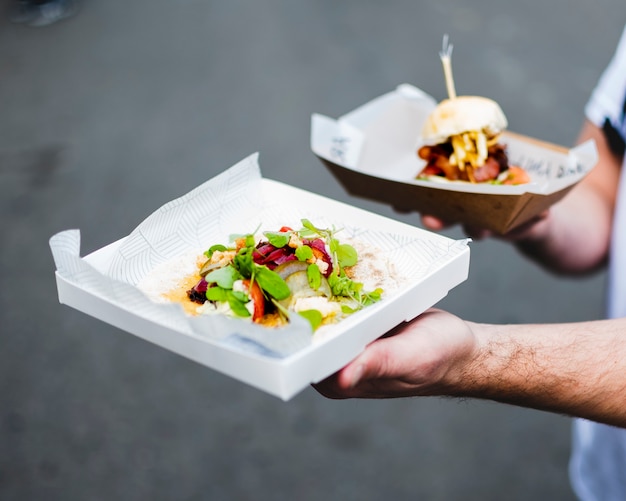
372	151
283	362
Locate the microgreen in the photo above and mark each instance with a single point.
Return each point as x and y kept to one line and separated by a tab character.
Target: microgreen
243	261
372	297
216	294
237	304
277	239
314	317
304	252
224	277
314	276
236	299
218	247
271	282
346	255
343	255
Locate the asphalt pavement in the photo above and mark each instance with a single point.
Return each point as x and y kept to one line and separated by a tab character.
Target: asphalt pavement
109	114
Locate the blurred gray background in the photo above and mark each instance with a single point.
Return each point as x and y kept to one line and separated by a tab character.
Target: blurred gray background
109	114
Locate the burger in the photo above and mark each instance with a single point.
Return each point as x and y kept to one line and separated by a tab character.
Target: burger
461	139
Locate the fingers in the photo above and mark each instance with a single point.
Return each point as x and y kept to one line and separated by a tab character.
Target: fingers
380	371
349	381
521	232
419	357
341	384
530	229
434	223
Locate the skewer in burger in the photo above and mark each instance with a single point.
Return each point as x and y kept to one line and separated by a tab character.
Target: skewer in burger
462	138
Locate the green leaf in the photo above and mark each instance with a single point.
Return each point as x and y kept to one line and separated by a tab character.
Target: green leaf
308	225
314	276
216	294
314	317
238	307
272	283
347	255
250	241
372	297
213	248
249	238
332	245
244	262
240	296
341	286
308	230
304	252
224	277
277	239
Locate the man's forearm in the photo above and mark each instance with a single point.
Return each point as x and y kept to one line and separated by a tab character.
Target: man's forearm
574	369
574	238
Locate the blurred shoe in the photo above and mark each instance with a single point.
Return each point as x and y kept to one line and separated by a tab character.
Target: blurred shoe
38	13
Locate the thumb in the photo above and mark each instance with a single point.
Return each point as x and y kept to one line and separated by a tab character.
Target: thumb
371	364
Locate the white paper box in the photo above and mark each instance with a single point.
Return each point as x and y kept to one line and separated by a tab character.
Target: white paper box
103	284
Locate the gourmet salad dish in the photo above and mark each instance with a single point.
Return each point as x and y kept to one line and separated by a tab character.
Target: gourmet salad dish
267	277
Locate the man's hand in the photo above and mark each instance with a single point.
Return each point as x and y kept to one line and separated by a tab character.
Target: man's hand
423	357
533	229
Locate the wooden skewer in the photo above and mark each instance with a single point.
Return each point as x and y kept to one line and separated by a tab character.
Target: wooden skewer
445	55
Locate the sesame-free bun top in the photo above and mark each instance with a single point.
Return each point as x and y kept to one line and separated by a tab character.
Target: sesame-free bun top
464	114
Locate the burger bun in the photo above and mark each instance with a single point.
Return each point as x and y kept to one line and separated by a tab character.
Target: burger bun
464	114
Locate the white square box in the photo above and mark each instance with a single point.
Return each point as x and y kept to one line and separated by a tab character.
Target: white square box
103	284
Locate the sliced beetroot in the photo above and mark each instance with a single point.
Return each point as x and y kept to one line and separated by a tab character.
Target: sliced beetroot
271	256
197	293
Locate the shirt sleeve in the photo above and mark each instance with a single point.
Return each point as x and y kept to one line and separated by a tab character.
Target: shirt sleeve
606	107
